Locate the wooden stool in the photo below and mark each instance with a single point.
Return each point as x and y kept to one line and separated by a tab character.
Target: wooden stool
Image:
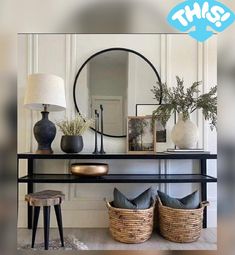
46	198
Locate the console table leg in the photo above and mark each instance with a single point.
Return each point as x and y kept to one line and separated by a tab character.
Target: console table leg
30	190
204	190
17	190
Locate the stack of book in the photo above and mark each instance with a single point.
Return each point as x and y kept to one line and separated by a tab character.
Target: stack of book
189	151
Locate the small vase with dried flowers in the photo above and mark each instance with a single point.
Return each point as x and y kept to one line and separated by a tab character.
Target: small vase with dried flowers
72	141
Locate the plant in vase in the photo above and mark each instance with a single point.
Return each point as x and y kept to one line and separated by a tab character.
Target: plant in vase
185	101
72	141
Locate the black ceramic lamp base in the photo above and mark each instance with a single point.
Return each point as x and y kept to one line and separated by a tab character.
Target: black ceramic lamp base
43	151
44	132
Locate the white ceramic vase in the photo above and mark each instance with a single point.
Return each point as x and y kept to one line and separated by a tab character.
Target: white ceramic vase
185	134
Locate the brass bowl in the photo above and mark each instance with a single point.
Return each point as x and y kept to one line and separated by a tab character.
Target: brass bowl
89	169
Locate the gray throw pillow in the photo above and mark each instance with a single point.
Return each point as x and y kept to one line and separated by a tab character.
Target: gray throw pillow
191	201
121	201
143	201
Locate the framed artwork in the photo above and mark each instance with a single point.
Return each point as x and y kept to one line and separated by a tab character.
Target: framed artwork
147	109
163	138
141	135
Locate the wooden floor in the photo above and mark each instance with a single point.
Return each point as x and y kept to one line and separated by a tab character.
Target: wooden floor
100	239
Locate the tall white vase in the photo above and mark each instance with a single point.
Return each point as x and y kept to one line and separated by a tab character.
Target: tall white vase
185	134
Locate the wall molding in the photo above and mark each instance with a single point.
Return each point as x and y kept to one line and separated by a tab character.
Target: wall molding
29	135
205	89
74	66
69	59
163	51
67	73
168	67
32	67
200	71
35	69
163	74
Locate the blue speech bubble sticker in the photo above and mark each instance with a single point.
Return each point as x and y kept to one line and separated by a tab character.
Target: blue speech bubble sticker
200	15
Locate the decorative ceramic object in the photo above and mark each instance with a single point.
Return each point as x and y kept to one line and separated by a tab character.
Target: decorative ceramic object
89	169
71	143
185	133
44	132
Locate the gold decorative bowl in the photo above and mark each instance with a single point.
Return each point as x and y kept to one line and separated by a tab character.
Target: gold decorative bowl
89	169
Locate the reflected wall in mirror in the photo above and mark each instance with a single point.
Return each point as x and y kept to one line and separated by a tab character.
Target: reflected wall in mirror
118	79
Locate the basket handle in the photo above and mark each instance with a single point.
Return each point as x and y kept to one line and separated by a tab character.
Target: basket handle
107	203
205	203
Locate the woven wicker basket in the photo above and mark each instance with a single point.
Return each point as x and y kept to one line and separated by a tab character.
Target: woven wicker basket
130	226
181	225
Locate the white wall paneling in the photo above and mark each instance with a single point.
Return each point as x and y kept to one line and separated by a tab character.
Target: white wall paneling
200	72
63	55
163	74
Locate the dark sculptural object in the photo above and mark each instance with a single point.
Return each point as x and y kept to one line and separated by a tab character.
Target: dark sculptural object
44	132
71	144
96	130
102	130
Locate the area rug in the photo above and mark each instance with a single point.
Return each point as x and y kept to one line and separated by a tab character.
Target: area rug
71	243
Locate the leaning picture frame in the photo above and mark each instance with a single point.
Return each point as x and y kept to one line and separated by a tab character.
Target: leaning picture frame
147	109
141	135
163	133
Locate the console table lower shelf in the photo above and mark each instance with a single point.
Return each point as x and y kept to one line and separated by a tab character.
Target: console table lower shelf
118	178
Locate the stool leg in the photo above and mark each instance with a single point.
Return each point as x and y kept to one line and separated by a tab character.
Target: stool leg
59	222
35	223
46	214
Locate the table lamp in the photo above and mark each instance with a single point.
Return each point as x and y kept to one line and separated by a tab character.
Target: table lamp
45	92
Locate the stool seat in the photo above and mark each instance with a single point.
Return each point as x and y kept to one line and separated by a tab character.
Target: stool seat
45	198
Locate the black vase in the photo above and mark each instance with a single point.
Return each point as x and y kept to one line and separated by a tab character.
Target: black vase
71	144
44	132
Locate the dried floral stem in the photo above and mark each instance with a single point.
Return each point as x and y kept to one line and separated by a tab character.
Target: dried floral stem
75	127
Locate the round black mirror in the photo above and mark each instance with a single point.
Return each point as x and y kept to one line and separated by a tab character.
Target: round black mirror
118	79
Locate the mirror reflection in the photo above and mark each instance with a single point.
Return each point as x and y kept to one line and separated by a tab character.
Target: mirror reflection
118	80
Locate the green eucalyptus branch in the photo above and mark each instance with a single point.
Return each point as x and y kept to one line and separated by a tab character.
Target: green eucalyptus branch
185	100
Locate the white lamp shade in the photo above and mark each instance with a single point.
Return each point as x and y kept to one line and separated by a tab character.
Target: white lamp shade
45	89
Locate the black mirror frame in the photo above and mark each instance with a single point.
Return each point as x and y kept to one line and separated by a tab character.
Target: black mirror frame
103	51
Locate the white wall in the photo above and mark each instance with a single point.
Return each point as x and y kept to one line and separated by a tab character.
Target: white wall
63	55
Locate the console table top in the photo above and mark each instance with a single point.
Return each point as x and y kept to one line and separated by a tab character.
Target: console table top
162	155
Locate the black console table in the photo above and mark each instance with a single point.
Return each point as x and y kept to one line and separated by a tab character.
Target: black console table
201	178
